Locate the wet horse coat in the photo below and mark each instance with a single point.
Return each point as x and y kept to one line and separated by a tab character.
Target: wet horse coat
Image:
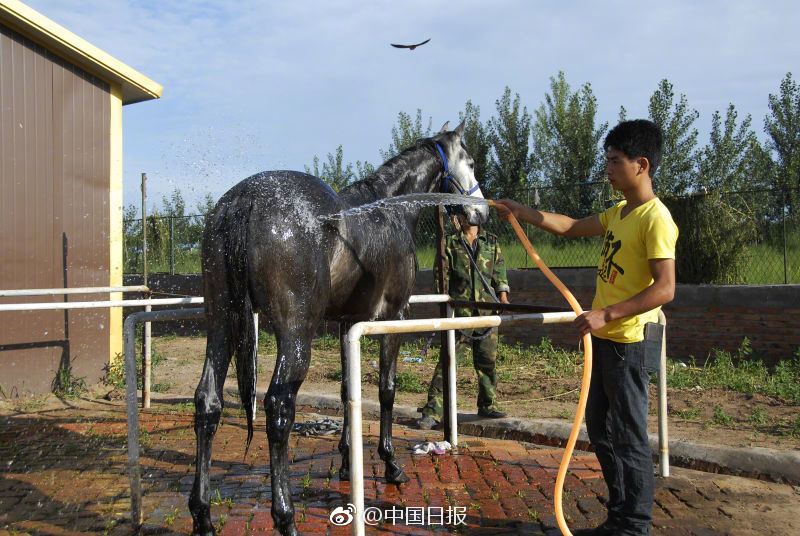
274	245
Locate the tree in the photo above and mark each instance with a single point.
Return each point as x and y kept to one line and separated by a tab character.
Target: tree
509	133
566	150
406	133
724	163
476	138
783	128
676	174
334	173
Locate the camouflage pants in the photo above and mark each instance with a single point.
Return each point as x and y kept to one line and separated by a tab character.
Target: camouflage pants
484	356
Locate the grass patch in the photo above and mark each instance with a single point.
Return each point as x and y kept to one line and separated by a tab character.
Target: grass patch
67	385
409	382
740	372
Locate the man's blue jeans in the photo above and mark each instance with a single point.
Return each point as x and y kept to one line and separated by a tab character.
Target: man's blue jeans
616	419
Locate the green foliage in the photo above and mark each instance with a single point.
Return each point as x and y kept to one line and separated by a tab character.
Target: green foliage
336	174
740	372
509	134
409	382
676	173
405	133
713	240
476	138
783	128
721	418
66	385
566	153
724	162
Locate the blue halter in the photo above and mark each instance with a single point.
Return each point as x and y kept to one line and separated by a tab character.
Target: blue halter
449	177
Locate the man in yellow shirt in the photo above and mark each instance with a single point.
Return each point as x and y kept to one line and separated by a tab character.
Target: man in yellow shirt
635	277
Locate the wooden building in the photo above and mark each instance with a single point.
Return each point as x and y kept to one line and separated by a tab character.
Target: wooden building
60	196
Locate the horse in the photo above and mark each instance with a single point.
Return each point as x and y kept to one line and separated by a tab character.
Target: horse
283	244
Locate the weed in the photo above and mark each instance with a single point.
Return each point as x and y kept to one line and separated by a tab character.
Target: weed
160	387
564	414
221	523
169	518
65	385
217	500
327	342
758	416
721	418
409	382
795	427
688	414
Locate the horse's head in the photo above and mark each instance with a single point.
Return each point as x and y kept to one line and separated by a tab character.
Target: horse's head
459	173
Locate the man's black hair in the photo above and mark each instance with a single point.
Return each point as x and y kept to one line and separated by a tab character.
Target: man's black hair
637	138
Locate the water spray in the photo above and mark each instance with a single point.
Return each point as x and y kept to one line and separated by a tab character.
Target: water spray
587	372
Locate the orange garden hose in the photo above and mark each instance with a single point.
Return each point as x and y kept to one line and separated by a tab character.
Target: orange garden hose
587	372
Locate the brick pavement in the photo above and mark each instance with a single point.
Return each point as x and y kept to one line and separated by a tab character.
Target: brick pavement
64	471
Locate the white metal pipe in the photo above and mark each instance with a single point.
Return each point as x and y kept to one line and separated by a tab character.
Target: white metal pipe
353	359
146	361
75	290
96	304
451	390
429	298
663	434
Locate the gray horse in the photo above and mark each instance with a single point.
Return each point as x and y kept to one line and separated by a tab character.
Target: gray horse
285	245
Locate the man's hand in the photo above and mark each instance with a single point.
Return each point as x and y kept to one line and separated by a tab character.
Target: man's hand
504	297
506	207
591	321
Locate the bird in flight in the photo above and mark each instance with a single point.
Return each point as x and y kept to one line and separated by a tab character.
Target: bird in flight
410	47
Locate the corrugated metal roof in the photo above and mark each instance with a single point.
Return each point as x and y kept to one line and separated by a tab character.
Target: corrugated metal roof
136	87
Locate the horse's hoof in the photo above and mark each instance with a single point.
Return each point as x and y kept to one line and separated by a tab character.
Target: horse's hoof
344	474
288	530
397	476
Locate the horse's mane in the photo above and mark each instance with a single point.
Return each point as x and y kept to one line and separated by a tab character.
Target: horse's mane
379	184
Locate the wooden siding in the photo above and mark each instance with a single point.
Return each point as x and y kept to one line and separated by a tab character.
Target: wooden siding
54	212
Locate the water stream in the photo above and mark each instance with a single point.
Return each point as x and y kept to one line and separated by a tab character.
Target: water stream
407	201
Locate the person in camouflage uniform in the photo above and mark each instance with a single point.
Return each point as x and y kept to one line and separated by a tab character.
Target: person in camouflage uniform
465	283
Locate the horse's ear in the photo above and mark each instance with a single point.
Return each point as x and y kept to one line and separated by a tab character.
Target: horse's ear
445	127
461	128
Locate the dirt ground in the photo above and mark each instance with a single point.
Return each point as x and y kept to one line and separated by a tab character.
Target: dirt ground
522	392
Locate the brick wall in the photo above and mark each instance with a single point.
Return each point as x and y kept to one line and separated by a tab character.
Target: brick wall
700	318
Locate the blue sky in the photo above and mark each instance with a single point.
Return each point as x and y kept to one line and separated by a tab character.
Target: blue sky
254	85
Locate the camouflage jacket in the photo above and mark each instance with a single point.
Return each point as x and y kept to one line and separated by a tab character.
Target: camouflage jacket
463	282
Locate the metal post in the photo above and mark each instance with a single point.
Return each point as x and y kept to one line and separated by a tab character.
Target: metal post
783	219
663	435
353	362
171	245
352	352
144	229
452	407
129	336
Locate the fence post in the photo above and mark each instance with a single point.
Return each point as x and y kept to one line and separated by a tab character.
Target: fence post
171	246
783	221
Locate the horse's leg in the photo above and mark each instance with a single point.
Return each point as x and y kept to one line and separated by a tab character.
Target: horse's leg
344	441
291	366
390	345
208	409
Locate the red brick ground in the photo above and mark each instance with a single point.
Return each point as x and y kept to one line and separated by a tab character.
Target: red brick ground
65	472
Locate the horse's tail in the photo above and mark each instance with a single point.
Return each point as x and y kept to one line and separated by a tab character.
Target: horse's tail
244	332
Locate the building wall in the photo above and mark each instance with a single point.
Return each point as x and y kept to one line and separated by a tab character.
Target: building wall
701	318
54	212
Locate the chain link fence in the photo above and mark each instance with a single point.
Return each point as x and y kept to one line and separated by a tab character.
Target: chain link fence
736	238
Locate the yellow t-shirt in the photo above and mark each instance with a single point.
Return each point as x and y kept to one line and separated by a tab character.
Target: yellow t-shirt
647	232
